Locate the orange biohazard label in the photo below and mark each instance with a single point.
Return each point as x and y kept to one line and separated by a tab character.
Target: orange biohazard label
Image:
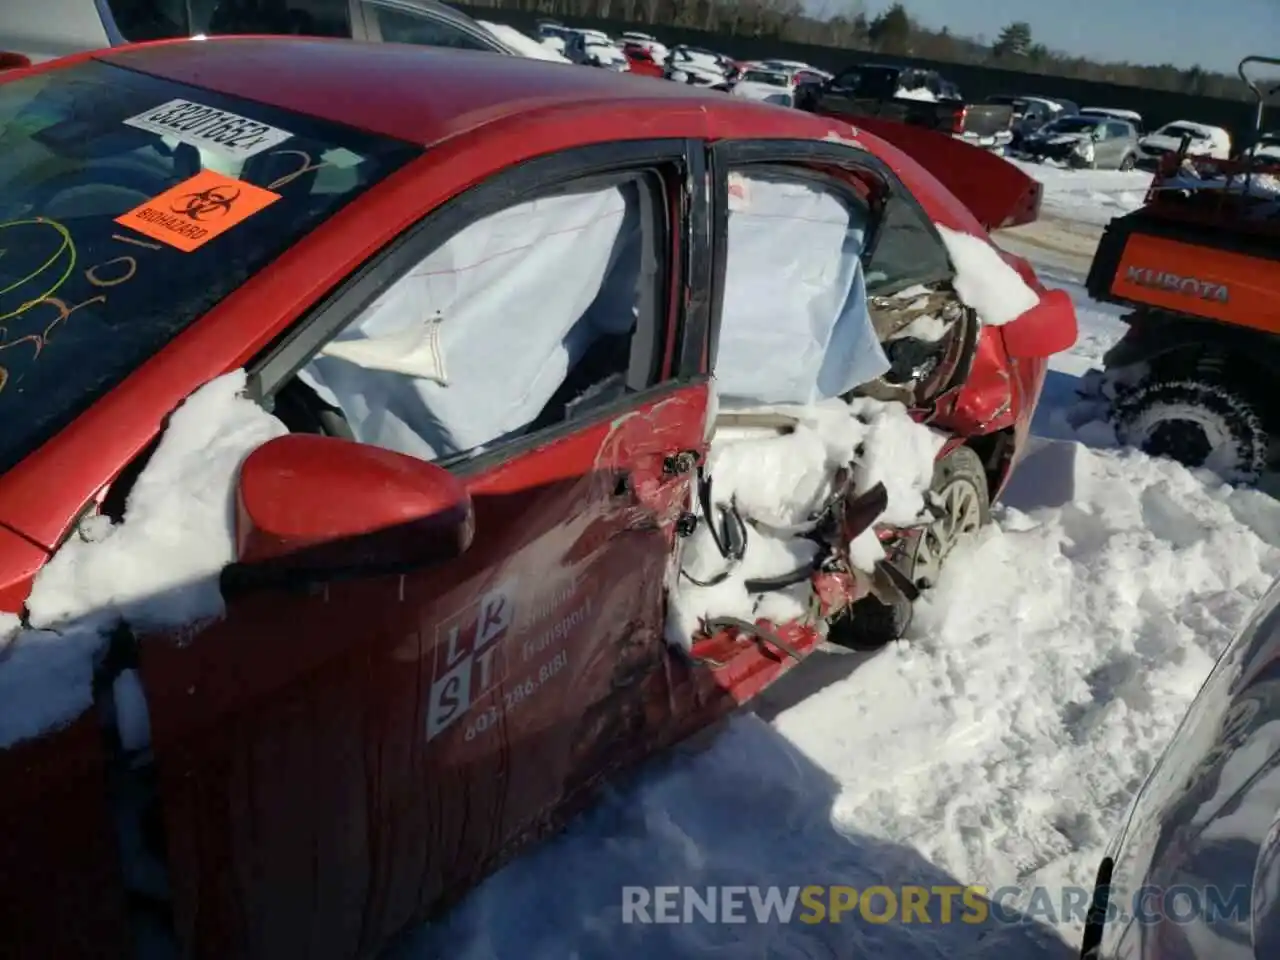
197	210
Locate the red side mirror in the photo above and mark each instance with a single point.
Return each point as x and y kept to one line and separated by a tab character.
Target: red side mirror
314	509
1047	328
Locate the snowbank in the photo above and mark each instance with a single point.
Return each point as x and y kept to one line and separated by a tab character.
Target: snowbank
778	482
984	281
1087	196
158	568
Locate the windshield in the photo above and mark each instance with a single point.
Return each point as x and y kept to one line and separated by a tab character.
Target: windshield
1072	125
129	207
765	76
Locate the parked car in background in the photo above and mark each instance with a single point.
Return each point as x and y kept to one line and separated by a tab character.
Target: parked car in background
553	35
592	48
1265	147
699	67
908	95
798	71
311	742
1203	140
1194	871
635	36
644	57
42	31
1132	116
1031	113
1095	143
770	86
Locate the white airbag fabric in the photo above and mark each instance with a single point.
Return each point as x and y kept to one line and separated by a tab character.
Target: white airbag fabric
795	326
472	343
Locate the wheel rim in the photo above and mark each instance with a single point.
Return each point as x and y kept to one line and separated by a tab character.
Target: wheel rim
1185	441
961	504
1187	434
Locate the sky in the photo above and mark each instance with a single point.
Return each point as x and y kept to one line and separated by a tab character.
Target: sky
1215	34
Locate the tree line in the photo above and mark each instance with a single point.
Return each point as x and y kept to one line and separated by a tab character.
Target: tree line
845	24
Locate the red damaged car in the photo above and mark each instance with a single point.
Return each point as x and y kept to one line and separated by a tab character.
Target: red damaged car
336	756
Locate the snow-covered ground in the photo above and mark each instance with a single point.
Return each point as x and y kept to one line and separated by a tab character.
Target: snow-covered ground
998	746
1088	196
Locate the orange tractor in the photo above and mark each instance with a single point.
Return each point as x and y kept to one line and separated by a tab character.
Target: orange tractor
1194	377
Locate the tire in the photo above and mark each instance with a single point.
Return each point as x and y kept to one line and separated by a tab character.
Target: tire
1198	423
1128	163
959	484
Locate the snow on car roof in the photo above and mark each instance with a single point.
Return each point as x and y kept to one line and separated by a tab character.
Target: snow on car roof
1206	129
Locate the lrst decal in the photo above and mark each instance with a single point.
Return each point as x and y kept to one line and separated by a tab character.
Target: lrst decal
489	653
191	214
1176	283
200	125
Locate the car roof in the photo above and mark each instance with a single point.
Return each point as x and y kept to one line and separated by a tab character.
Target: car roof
413	93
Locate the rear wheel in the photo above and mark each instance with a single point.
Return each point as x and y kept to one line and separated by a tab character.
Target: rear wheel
1128	163
962	502
1199	423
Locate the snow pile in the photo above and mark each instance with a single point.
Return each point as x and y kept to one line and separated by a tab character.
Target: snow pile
1087	196
777	482
1048	669
523	45
984	281
1001	744
158	568
922	94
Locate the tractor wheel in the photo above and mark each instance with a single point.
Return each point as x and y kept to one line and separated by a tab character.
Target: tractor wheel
1198	423
960	490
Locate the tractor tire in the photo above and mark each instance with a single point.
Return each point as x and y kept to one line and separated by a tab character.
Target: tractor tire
960	487
1199	423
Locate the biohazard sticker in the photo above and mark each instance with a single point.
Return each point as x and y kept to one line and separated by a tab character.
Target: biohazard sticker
204	126
195	211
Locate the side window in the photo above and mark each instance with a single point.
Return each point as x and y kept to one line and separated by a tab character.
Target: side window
140	20
794	323
905	251
847	82
1120	131
529	316
313	18
397	26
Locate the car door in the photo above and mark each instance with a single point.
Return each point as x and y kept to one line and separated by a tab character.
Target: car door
901	250
336	758
1107	147
839	96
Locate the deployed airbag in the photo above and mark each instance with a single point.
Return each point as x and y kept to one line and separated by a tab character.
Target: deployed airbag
471	344
795	326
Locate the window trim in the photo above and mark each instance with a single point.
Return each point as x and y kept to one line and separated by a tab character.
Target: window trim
567	171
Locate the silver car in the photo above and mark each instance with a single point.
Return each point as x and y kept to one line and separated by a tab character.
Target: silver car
34	32
1084	142
1195	872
